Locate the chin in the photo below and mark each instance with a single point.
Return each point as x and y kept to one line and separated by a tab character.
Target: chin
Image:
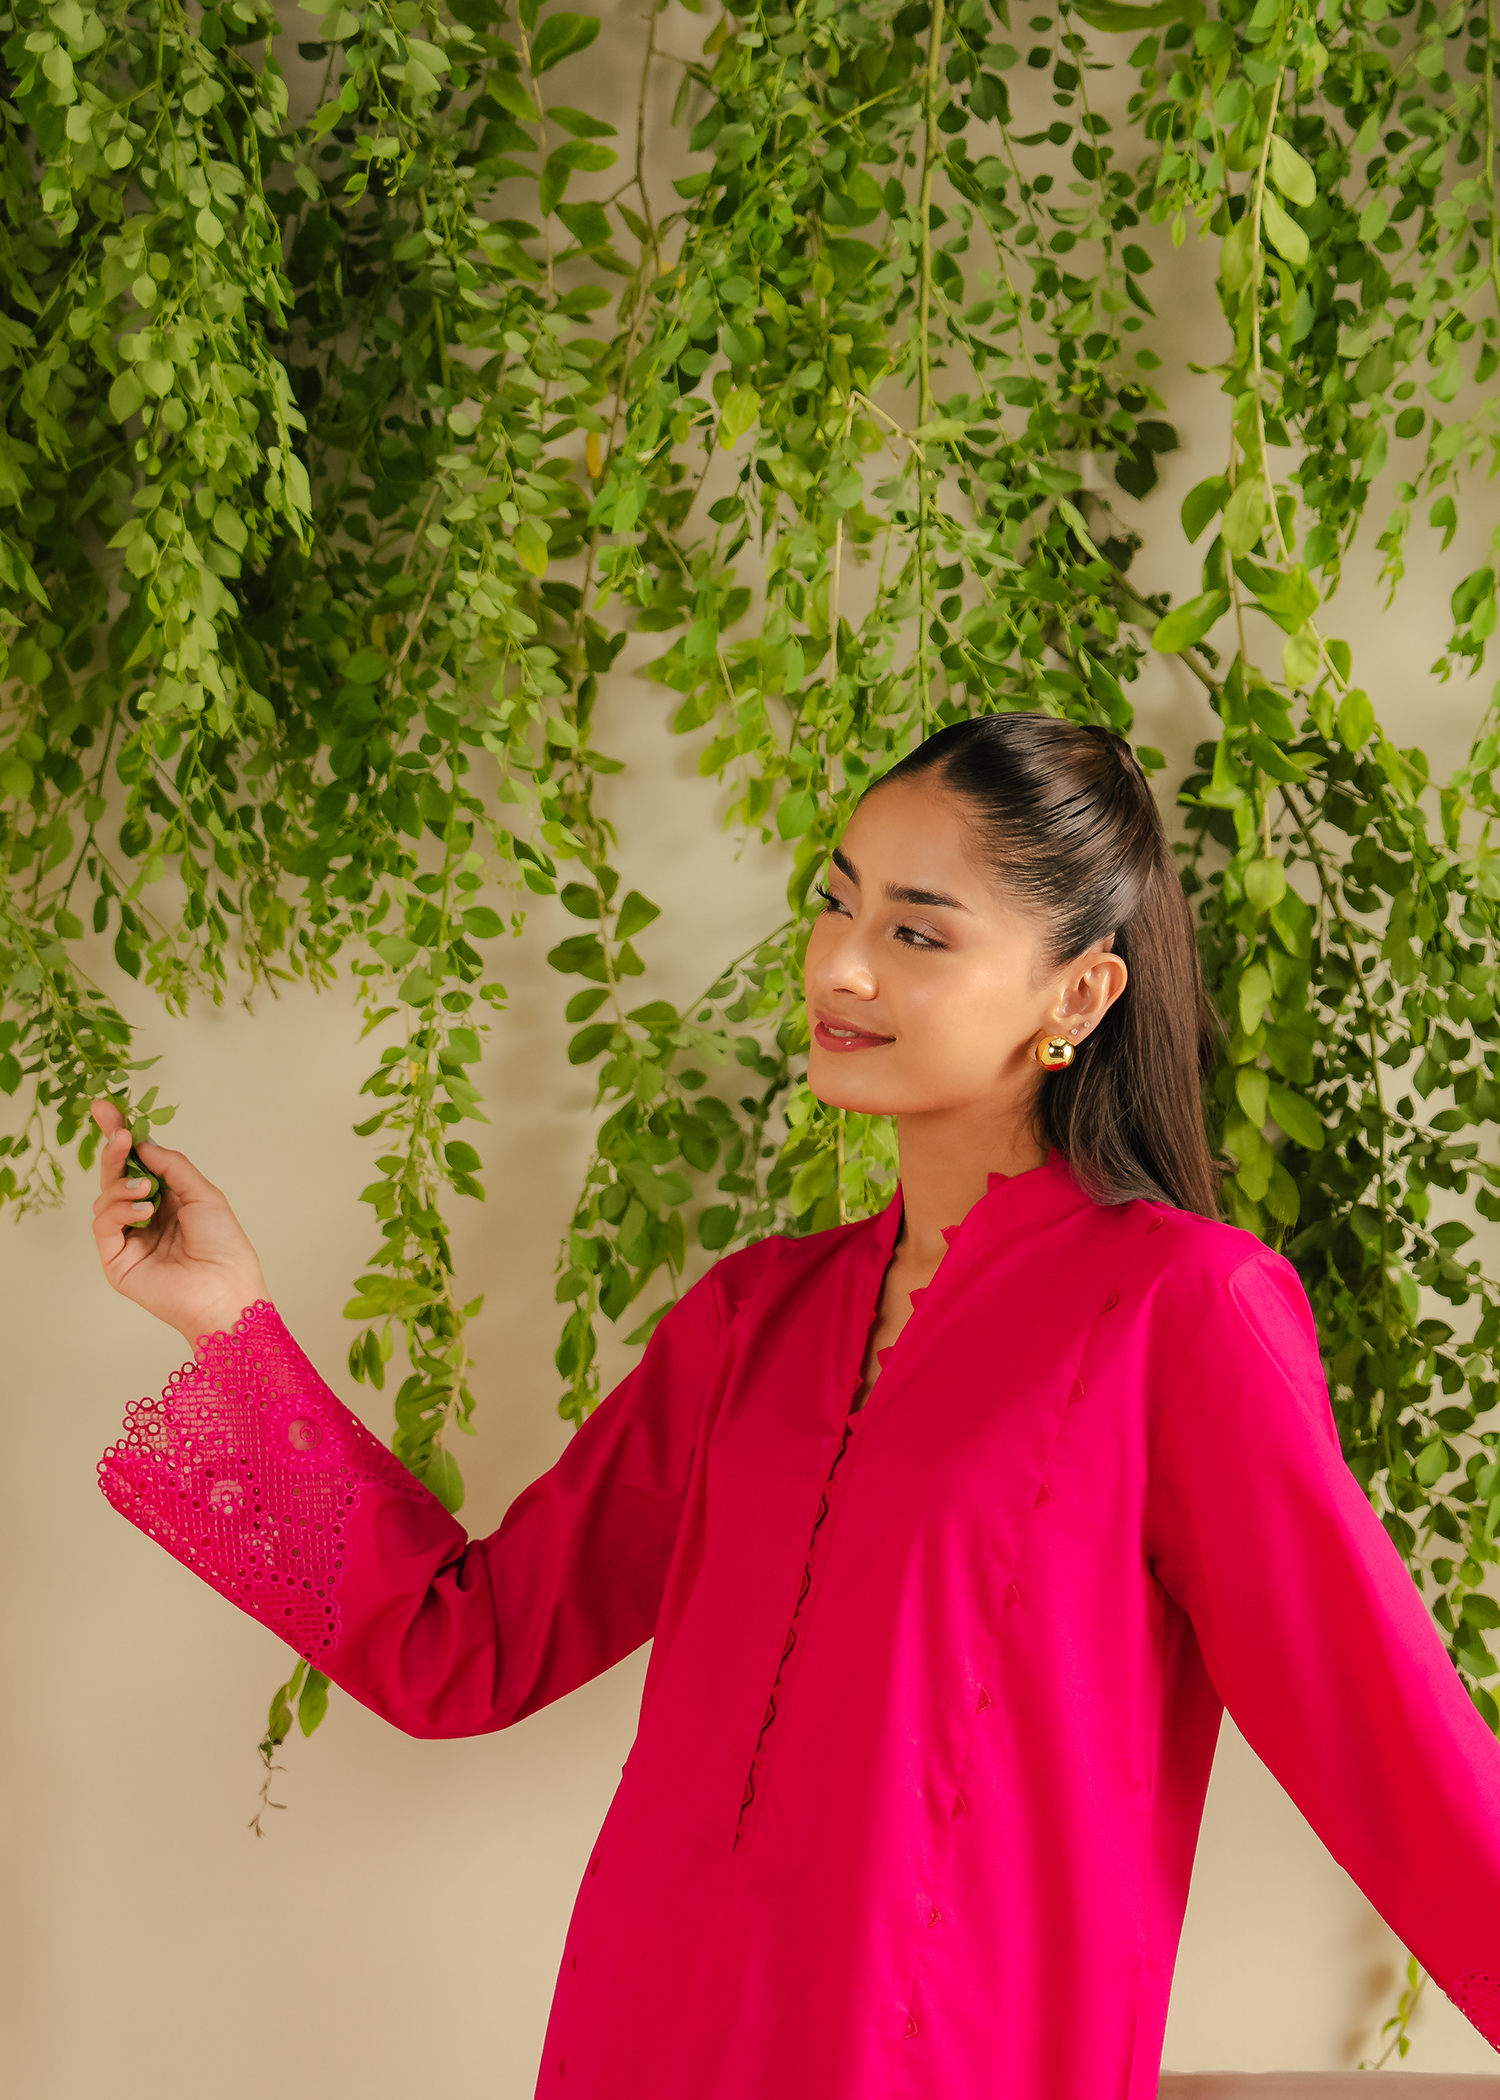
861	1094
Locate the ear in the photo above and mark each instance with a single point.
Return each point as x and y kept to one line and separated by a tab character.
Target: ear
1092	985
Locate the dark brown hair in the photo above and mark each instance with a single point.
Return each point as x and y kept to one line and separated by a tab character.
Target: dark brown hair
1064	817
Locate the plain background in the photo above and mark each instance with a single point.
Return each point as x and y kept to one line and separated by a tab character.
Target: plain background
398	1929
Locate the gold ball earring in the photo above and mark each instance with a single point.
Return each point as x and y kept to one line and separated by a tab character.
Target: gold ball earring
1054	1053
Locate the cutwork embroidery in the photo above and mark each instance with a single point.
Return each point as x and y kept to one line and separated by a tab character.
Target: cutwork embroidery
247	1470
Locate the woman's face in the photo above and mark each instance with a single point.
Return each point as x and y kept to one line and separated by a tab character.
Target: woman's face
927	990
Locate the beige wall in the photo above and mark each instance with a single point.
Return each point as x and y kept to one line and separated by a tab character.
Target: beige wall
397	1930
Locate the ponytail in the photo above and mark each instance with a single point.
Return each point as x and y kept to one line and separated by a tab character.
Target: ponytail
1065	818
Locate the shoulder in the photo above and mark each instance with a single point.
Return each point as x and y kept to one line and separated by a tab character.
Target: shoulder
780	1263
1199	1269
1230	1324
736	1277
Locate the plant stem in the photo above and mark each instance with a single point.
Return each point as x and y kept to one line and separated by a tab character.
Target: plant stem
931	155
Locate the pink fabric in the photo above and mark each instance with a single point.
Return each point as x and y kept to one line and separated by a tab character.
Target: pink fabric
247	1470
781	1683
1477	1997
1095	1491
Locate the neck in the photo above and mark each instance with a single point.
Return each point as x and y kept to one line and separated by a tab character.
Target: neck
947	1157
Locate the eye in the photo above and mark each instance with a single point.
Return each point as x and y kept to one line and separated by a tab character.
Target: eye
830	902
914	937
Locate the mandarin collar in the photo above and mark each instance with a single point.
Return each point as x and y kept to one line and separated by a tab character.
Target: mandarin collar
1011	1202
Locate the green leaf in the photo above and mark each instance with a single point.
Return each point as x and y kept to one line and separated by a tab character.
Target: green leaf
1289	595
590	1042
1265	883
507	90
582	956
1291	173
636	913
1301	658
558	38
531	547
1355	720
1120	19
1432	1463
229	527
441	1477
591	159
741	412
1189	623
1255	996
557	173
580	123
482	924
1252	1091
742	346
1202	503
1297	1117
716	1227
313	1702
1272	759
126	395
587	224
1284	234
1246	515
1235	255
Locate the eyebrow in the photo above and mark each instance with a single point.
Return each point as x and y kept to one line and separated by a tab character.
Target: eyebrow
900	892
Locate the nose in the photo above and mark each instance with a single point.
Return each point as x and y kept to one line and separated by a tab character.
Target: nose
837	961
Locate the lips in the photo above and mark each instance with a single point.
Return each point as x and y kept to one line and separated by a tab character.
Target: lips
841	1037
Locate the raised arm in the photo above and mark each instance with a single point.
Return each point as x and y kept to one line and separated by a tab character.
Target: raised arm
1317	1639
251	1472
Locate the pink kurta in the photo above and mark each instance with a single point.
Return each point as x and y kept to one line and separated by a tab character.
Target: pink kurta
934	1691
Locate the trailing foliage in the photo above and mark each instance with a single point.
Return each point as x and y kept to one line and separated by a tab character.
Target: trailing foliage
343	451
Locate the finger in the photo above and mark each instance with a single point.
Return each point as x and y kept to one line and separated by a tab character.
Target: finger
119	1249
131	1186
107	1114
177	1173
113	1154
112	1218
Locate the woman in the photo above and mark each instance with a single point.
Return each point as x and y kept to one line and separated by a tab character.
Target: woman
953	1529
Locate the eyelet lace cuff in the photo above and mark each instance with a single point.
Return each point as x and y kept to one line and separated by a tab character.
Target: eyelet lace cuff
1477	1996
247	1470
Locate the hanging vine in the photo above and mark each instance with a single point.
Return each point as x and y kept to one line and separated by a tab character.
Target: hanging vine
342	452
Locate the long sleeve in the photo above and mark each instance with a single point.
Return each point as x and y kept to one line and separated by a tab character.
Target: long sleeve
1316	1638
251	1473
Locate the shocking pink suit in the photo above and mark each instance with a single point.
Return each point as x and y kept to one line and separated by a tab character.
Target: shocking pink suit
934	1688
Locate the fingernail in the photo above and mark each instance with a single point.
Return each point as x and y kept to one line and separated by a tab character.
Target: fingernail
137	1188
138	1208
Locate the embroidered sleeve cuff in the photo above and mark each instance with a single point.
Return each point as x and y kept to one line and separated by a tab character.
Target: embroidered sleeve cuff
248	1471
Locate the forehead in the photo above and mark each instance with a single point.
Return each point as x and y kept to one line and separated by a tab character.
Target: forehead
917	836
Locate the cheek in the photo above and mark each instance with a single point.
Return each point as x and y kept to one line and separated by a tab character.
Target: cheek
963	1013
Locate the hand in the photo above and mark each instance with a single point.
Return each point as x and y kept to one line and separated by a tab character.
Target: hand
191	1264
